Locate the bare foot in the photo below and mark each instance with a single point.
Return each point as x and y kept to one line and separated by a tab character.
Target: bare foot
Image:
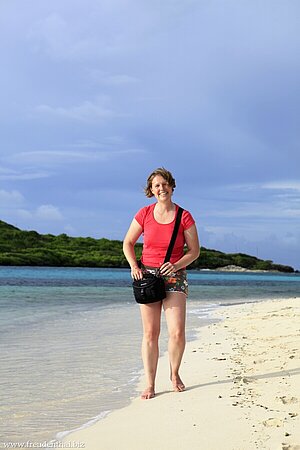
178	385
148	393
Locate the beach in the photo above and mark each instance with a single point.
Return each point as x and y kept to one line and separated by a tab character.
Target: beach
242	376
70	344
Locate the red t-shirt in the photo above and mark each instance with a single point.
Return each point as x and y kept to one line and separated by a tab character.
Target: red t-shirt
157	236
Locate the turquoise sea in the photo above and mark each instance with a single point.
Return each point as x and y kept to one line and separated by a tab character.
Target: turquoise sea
70	340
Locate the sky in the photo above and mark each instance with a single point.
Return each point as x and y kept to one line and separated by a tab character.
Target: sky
96	94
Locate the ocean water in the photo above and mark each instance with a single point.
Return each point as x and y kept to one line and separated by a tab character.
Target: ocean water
70	340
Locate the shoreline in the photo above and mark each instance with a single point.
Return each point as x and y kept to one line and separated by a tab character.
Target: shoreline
241	372
207	318
229	268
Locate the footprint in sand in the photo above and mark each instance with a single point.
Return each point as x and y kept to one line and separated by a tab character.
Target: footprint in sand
245	380
287	400
290	447
273	422
259	361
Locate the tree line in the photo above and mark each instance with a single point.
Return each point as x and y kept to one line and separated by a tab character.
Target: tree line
29	248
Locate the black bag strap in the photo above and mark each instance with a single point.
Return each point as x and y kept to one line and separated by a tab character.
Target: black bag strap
174	234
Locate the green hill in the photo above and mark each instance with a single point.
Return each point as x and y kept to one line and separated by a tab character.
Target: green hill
29	248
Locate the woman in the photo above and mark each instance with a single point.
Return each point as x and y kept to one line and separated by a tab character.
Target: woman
156	222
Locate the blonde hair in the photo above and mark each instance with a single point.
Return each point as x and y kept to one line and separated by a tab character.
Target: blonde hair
161	171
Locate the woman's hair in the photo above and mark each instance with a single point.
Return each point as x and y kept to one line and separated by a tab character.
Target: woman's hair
163	173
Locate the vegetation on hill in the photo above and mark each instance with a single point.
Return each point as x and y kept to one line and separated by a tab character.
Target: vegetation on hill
29	248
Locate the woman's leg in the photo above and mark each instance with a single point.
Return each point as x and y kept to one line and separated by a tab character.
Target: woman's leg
151	314
175	311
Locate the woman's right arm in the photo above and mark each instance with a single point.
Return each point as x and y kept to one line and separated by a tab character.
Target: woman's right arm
133	233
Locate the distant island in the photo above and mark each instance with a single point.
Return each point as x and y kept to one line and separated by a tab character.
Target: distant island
29	248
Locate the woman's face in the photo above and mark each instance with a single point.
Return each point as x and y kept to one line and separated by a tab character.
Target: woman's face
161	188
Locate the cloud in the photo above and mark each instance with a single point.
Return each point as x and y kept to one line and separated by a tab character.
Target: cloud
83	34
25	176
54	157
70	230
283	185
258	210
108	141
101	31
55	36
117	80
102	77
24	214
272	243
86	112
7	174
13	202
248	208
48	212
11	198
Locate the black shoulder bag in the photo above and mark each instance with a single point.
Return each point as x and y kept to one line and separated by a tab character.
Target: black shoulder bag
151	288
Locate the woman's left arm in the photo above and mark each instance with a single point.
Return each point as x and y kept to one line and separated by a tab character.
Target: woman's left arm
192	242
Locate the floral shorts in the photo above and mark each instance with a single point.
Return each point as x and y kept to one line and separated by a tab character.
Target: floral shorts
176	282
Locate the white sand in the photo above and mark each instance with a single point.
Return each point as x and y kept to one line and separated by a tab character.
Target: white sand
243	390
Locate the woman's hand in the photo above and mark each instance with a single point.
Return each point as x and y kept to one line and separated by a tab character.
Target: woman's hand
136	273
167	269
134	232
